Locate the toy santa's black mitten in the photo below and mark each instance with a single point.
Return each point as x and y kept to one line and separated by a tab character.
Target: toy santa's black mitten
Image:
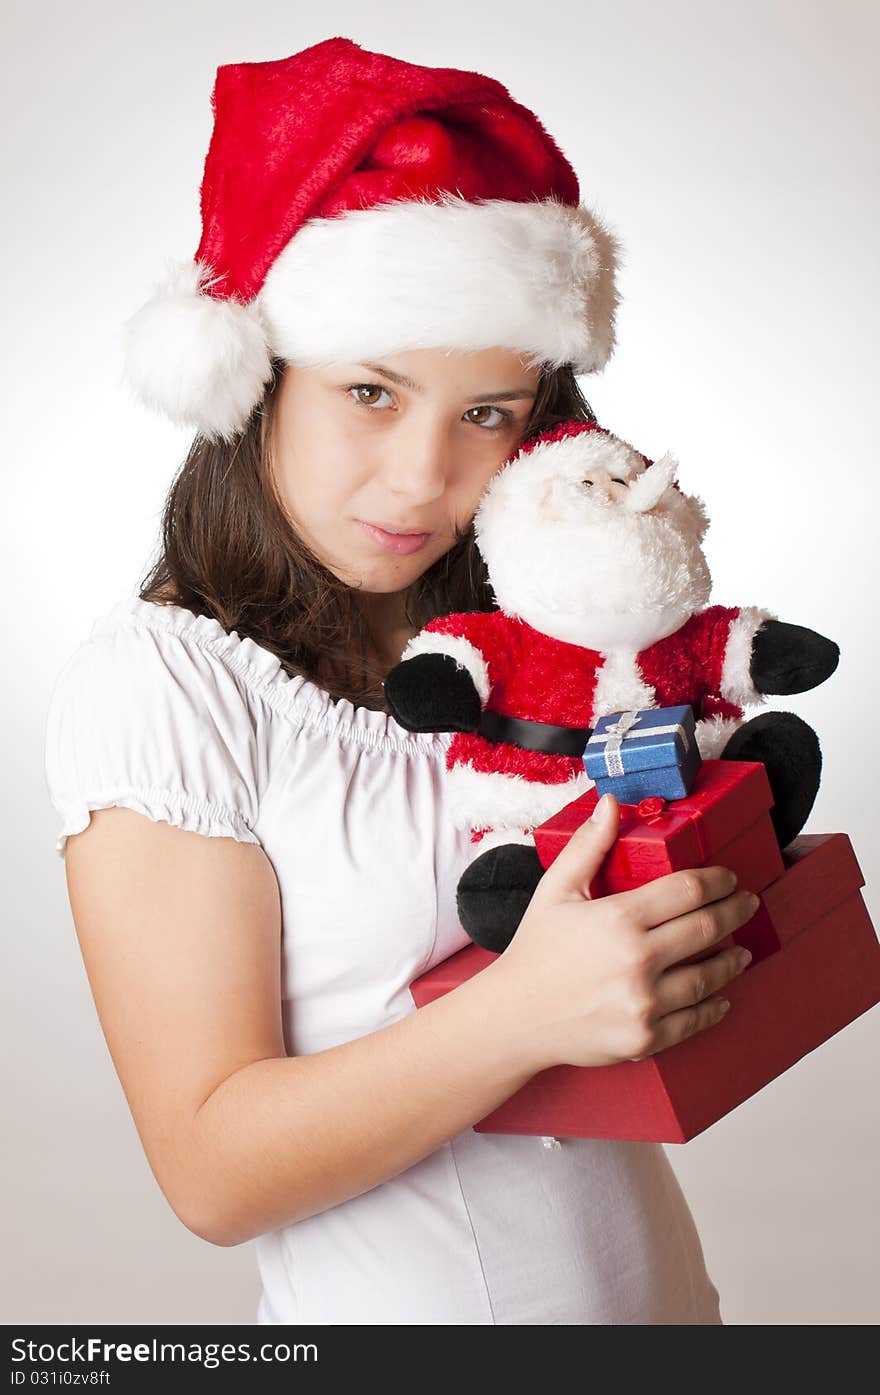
431	692
791	658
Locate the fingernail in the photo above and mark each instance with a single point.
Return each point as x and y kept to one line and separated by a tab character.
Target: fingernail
723	1006
754	902
744	957
601	809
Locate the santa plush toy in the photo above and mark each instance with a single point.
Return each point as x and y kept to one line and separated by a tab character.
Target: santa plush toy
595	559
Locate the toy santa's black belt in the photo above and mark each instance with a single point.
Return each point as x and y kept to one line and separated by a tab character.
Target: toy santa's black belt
534	736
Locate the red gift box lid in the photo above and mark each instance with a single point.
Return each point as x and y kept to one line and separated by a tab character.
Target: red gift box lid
726	797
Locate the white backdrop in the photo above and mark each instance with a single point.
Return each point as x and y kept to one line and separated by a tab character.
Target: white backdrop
734	150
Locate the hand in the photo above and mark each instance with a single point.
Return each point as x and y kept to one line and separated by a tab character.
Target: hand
600	981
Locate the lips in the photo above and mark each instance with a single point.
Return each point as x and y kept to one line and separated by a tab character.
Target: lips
402	544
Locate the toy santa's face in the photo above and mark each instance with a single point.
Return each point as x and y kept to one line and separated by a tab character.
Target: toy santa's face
602	484
365	453
587	543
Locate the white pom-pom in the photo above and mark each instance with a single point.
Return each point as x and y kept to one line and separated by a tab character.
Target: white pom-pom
646	490
202	361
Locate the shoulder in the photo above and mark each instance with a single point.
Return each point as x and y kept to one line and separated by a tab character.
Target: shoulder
163	711
167	713
145	650
194	645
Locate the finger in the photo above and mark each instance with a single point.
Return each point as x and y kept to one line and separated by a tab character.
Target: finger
678	988
685	935
575	867
677	1026
664	898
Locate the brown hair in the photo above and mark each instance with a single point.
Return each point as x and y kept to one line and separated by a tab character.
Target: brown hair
229	551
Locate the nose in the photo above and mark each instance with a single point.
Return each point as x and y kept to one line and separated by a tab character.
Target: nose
601	481
417	464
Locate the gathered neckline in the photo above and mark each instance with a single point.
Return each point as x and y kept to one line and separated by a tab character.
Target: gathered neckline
264	672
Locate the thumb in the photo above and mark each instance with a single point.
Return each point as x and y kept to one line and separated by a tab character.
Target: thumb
572	871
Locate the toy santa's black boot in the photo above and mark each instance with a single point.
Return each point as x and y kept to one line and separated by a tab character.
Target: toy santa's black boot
494	892
789	750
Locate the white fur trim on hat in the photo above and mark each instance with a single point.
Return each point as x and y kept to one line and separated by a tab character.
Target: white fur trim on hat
202	361
736	680
537	276
461	650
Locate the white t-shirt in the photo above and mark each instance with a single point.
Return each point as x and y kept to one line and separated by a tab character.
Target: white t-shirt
163	712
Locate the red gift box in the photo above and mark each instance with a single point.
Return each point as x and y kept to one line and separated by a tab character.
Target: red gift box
724	821
816	969
821	872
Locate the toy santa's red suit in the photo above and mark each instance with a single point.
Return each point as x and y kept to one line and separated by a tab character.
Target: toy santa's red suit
595	559
524	674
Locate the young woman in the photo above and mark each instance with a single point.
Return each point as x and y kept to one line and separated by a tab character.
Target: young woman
259	859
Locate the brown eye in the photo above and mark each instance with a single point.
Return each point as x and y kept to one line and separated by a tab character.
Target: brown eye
357	389
505	416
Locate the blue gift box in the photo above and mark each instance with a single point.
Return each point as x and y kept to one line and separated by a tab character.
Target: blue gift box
634	755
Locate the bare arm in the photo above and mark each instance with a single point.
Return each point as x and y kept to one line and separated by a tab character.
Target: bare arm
181	935
301	1134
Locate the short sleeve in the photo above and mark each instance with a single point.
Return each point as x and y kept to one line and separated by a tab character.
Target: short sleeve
154	722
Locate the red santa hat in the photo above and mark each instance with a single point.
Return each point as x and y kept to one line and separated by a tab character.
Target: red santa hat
353	205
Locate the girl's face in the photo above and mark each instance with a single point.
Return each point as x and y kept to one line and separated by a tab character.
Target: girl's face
409	444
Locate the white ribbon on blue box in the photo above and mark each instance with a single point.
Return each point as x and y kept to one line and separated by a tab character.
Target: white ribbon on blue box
636	754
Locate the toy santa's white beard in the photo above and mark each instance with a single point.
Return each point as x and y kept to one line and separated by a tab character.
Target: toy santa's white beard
610	579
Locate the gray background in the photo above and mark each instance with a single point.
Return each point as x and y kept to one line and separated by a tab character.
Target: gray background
733	148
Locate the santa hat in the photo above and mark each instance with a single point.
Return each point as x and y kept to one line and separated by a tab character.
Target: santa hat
354	205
